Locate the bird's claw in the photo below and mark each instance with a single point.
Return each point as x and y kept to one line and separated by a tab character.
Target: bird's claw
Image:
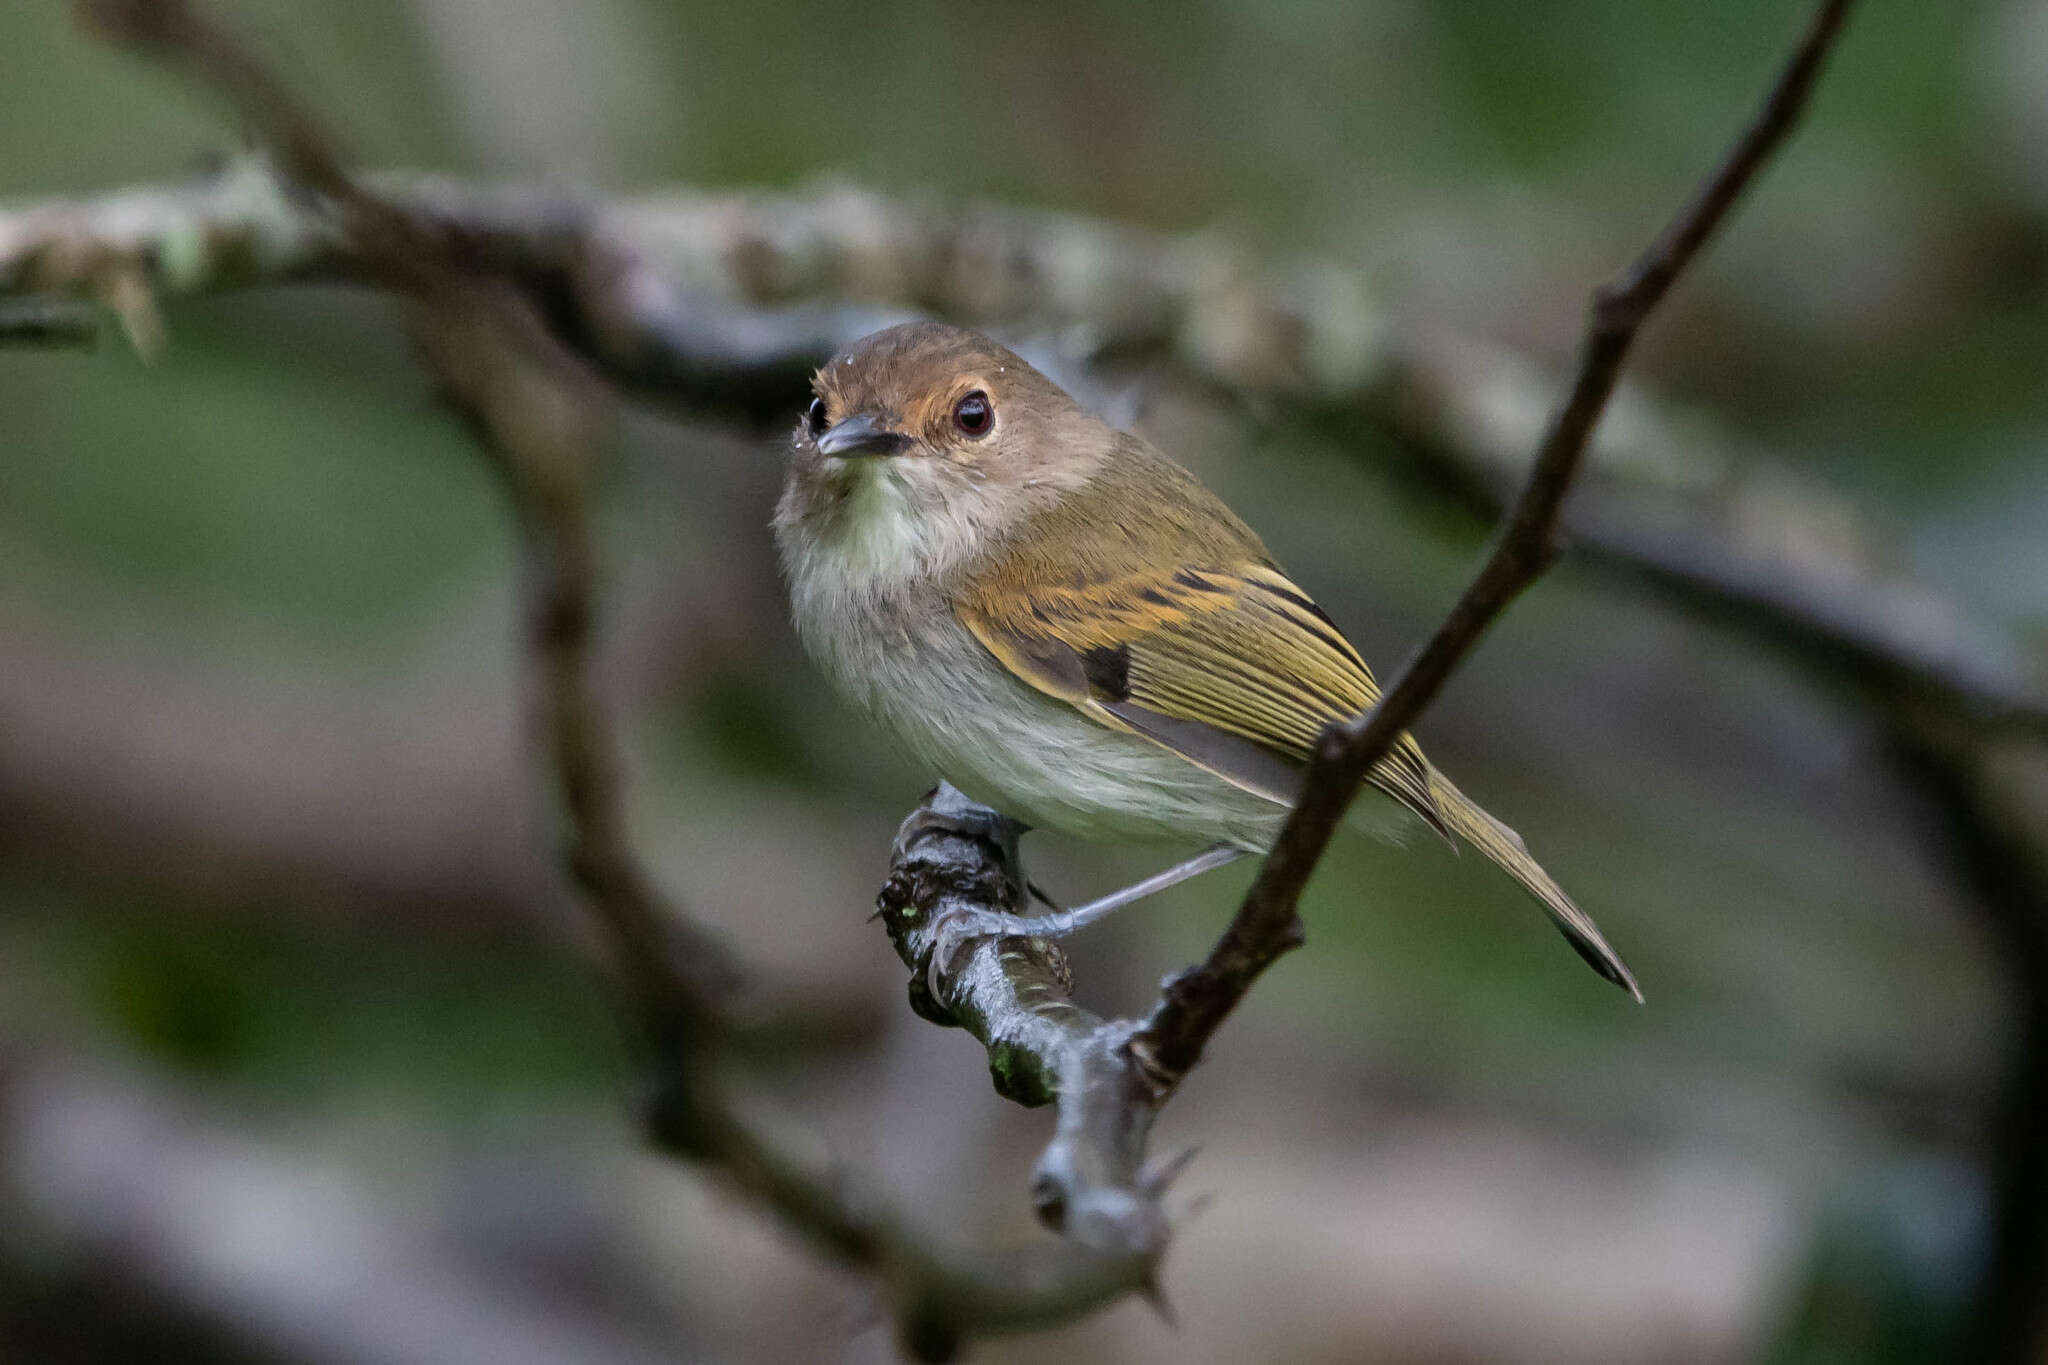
960	930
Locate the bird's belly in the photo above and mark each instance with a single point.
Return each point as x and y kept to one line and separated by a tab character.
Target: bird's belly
1048	765
1026	754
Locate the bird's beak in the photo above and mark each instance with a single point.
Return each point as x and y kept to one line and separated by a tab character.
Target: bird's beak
859	435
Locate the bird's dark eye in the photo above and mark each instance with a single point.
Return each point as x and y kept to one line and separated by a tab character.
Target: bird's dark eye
973	415
815	418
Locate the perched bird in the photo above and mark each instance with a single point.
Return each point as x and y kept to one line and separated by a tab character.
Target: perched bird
1067	626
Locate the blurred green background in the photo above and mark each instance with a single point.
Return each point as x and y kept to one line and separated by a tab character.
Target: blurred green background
282	970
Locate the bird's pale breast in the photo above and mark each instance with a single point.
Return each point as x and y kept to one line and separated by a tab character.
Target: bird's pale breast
919	673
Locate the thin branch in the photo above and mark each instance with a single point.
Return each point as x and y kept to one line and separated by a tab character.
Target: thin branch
539	416
528	410
1266	925
176	34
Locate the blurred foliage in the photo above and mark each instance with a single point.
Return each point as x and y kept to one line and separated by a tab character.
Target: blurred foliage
1885	1286
311	1010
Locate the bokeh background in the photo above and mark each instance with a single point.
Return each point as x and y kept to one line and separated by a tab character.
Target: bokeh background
300	1058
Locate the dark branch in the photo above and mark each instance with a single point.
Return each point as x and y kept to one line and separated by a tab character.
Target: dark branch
47	322
540	417
2000	866
1011	994
1266	924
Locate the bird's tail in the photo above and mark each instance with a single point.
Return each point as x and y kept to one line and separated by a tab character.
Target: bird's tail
1505	847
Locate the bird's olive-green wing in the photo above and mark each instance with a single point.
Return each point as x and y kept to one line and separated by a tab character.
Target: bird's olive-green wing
1229	664
1141	601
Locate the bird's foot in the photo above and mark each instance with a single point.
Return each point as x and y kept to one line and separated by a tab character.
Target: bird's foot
962	927
960	930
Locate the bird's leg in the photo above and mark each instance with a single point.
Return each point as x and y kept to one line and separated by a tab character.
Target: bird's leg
966	926
1063	922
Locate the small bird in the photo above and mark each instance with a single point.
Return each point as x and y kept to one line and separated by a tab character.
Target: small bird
1066	625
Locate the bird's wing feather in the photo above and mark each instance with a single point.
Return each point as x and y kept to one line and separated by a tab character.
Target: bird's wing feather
1230	665
1161	613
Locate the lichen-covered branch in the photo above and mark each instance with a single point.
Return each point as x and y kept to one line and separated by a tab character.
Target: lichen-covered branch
728	299
1012	995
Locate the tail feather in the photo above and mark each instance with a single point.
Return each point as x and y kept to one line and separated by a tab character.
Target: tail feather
1505	848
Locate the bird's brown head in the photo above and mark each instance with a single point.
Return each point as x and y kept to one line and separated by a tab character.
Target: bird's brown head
927	391
924	442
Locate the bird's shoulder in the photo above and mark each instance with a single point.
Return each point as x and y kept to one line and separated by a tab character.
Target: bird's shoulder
1139	516
1150	606
1143	579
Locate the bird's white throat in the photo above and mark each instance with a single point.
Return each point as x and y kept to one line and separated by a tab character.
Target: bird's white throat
876	527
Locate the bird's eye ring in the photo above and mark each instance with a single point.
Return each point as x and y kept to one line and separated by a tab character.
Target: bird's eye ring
974	415
815	417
